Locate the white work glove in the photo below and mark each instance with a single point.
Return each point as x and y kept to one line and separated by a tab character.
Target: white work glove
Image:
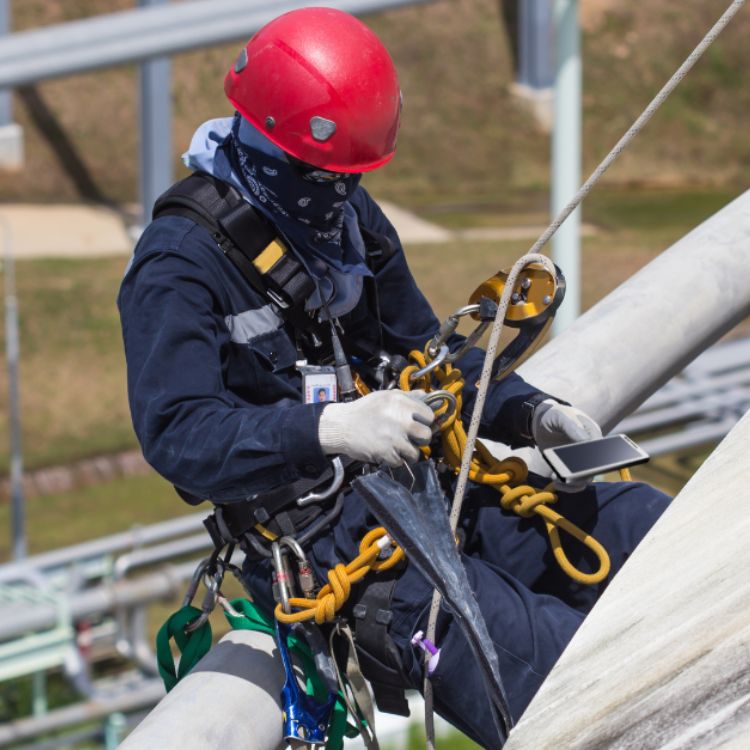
554	424
381	427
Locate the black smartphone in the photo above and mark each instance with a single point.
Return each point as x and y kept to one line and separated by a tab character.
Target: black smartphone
585	459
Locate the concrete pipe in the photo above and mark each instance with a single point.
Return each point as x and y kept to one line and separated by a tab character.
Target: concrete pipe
663	660
631	342
230	700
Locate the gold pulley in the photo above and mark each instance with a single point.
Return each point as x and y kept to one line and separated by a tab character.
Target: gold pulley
535	298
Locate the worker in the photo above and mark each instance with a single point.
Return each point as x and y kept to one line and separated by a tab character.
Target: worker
234	398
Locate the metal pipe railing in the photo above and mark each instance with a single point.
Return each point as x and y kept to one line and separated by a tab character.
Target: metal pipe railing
143	33
77	554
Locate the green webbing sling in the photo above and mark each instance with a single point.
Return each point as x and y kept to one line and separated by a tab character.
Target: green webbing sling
195	645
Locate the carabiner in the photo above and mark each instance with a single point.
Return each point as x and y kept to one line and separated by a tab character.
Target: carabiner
435	399
213	586
441	357
305	720
333	487
281	576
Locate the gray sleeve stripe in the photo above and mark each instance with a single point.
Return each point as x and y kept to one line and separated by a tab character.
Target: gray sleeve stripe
252	323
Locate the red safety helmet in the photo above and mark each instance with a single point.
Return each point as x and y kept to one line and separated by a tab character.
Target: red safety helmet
321	86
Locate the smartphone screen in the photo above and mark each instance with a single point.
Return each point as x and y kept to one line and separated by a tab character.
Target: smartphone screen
595	456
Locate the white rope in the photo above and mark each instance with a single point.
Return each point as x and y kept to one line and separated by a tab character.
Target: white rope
497	325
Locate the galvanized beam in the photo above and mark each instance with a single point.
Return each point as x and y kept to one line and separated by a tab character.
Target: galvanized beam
143	33
155	127
566	156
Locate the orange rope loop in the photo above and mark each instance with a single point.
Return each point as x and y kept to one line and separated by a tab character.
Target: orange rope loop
505	476
376	552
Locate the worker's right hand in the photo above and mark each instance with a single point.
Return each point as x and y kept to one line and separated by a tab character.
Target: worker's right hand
381	427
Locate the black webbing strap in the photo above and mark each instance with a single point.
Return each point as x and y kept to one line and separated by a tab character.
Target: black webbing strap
378	655
244	235
237	518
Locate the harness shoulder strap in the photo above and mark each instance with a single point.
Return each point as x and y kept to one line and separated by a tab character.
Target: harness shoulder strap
243	234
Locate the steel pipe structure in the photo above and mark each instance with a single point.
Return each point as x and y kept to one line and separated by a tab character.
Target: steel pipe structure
664	657
144	694
168	581
48	564
712	263
144	33
631	342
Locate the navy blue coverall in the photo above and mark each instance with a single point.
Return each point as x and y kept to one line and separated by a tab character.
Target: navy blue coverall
216	404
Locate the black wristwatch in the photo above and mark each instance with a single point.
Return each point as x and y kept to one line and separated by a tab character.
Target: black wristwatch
528	407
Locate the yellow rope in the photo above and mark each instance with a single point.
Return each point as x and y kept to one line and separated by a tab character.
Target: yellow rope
505	476
334	594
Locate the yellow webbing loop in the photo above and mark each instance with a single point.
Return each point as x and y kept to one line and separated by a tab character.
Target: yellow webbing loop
505	476
334	594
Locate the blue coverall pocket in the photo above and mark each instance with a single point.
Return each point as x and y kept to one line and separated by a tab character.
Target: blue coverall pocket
274	351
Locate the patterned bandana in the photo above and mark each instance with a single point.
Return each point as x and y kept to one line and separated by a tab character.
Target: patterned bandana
314	217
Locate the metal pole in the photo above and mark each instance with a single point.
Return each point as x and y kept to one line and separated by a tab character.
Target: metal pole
566	156
156	128
12	349
114	730
6	102
534	63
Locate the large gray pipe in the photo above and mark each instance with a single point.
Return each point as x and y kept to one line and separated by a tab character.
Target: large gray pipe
230	700
630	343
663	660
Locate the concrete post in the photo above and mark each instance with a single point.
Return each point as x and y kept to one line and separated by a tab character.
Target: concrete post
663	659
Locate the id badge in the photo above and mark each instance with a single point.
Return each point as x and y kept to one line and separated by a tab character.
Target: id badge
318	384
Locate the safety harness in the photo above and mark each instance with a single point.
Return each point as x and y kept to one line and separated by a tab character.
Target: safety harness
277	524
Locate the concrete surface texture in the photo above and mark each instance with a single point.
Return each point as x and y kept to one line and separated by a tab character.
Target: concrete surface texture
59	231
230	700
663	660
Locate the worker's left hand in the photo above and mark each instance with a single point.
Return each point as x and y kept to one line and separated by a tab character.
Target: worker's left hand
556	424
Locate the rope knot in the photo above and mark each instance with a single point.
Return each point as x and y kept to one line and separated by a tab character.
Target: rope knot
524	500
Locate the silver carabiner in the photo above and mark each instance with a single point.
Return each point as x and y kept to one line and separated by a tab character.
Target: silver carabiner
281	577
442	355
213	585
436	398
332	489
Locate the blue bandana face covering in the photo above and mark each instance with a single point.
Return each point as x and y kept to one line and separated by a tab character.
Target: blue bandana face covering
309	206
